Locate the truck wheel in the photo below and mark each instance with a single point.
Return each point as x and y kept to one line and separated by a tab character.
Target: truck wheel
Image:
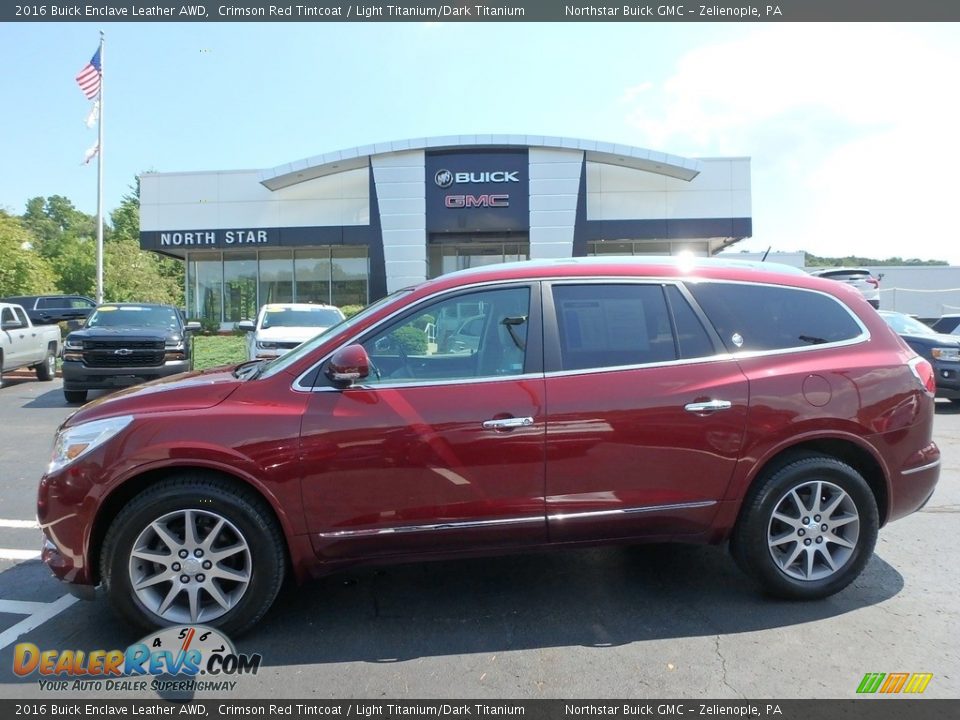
193	549
47	370
75	397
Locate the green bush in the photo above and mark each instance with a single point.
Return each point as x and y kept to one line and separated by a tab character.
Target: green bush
410	340
350	310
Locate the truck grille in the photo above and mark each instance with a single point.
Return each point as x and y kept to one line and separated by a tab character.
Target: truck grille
122	353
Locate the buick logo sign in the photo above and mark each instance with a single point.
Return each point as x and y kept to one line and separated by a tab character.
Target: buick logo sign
443	178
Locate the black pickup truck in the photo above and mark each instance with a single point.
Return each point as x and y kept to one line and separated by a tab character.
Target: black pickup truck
125	344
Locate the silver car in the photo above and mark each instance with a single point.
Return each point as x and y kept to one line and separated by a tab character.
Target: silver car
859	278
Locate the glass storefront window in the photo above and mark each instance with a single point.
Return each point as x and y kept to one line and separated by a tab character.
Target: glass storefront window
312	269
445	257
239	286
349	270
276	276
205	287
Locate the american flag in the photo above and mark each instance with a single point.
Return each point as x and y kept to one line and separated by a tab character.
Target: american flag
89	78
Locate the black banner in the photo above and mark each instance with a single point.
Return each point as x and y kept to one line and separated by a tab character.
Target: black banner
472	11
878	709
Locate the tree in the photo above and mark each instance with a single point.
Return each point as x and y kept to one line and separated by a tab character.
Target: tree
23	271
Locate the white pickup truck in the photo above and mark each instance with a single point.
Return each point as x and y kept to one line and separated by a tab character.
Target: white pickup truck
23	344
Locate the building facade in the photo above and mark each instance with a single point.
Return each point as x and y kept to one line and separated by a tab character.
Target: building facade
351	226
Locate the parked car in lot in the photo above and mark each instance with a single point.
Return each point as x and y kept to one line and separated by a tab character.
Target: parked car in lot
608	400
942	351
125	344
24	345
947	324
52	309
281	327
859	278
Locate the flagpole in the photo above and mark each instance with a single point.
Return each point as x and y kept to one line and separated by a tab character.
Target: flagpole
100	184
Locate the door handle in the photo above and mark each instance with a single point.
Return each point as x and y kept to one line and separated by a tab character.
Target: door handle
507	423
708	407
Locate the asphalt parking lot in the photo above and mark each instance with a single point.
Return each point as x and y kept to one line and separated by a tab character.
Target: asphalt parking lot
652	621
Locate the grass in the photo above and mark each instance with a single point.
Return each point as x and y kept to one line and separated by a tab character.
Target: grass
214	350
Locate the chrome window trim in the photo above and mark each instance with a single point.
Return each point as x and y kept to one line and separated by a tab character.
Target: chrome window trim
928	466
433	383
469	524
864	335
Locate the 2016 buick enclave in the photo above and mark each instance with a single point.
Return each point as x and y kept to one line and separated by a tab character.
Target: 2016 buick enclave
605	400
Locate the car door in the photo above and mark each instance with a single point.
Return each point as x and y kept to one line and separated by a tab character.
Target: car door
645	413
33	349
441	448
18	349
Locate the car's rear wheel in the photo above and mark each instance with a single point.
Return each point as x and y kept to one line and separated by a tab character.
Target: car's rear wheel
193	550
808	530
75	397
47	370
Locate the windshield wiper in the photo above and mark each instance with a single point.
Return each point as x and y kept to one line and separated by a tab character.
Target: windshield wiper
243	368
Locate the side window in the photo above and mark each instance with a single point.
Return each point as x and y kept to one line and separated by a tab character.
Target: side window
770	317
473	335
48	303
7	315
80	303
21	316
611	325
692	338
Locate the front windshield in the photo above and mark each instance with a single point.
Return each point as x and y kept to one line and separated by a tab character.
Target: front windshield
284	361
905	324
133	316
290	317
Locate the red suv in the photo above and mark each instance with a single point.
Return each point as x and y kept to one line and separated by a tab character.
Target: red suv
605	400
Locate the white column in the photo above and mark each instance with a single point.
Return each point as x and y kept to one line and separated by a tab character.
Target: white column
554	185
401	196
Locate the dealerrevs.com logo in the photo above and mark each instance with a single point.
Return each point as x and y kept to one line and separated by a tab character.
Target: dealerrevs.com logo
189	657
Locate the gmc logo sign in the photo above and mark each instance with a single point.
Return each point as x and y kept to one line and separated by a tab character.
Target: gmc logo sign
469	201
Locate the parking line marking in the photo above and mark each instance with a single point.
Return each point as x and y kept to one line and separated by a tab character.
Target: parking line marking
12	554
21	607
30	524
49	611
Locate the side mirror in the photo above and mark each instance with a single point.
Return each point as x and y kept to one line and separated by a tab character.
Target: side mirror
192	326
349	364
244	325
14	325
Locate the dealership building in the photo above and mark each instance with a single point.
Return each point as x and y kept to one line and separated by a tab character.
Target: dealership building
351	226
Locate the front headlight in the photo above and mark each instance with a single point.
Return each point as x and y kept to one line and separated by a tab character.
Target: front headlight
73	344
77	441
947	354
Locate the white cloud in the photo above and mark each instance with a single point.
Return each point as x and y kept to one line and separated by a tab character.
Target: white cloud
851	129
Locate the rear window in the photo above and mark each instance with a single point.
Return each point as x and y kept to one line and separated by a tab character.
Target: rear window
770	317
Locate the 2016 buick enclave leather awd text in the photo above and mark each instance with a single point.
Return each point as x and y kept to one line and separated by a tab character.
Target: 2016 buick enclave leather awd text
605	400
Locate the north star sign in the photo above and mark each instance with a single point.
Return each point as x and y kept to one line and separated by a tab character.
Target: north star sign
193	238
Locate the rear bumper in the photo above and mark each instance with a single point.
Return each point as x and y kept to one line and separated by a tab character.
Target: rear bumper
915	482
77	376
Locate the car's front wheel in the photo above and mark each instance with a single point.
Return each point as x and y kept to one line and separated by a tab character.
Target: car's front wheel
193	550
808	530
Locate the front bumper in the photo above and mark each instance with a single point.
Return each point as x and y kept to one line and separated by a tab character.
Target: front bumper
77	376
948	379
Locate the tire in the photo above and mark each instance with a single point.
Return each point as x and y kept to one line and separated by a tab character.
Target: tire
47	370
75	397
955	402
764	545
233	592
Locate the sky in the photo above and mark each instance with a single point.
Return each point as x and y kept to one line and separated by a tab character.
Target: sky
851	128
